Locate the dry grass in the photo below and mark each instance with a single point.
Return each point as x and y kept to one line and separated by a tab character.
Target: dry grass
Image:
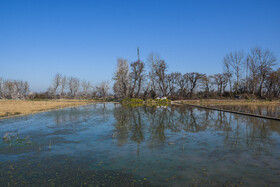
231	102
14	107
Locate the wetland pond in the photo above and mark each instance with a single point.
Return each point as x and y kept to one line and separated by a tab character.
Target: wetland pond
113	145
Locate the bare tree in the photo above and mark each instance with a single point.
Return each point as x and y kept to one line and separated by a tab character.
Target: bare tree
153	61
172	82
228	72
9	89
74	85
272	83
265	60
63	84
161	76
121	78
234	62
86	85
56	83
221	81
137	77
206	82
194	77
103	89
183	83
21	89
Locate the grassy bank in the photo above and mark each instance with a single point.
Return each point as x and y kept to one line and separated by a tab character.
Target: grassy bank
17	107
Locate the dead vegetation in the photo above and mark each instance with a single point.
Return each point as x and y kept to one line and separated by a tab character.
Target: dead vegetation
231	102
19	107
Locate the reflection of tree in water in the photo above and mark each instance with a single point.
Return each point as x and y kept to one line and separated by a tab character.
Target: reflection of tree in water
244	132
122	116
74	115
151	123
267	110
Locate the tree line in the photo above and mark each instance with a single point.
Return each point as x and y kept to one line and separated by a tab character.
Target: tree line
249	74
13	89
61	87
252	74
72	87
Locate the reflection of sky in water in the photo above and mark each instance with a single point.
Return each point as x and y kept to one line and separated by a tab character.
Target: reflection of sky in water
176	145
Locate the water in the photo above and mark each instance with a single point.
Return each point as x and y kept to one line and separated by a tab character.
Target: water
263	110
111	145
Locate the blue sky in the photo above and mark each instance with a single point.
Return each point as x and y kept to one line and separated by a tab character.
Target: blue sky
85	38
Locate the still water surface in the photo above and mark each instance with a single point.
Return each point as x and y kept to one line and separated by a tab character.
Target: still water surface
112	145
272	110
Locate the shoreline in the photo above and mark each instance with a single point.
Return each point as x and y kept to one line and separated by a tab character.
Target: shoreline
38	112
54	109
204	103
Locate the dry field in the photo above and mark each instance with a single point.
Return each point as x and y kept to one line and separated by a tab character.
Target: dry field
257	107
17	107
230	102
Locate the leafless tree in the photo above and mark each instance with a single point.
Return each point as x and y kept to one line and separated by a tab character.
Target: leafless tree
172	82
137	77
161	77
265	60
21	89
234	62
183	83
194	77
63	84
153	61
74	85
56	83
272	84
9	89
121	78
86	85
221	81
206	82
103	89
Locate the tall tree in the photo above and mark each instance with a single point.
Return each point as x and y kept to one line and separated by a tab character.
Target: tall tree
161	77
206	82
86	85
265	61
194	77
172	82
74	85
221	81
153	61
234	62
121	78
63	84
183	83
137	77
56	83
102	89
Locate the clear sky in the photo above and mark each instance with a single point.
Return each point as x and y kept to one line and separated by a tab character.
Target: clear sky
84	38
